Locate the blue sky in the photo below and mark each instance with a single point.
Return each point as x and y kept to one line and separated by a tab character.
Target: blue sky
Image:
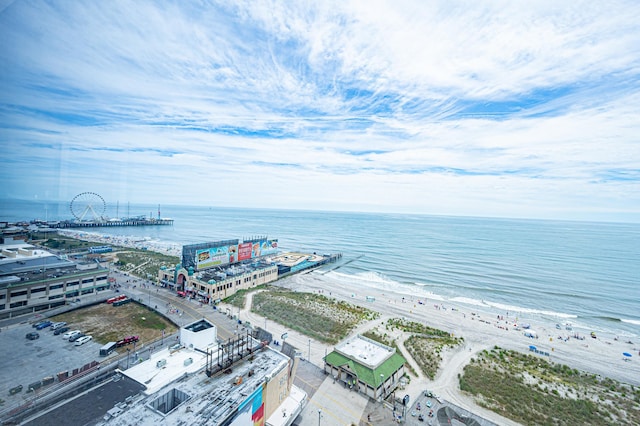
500	108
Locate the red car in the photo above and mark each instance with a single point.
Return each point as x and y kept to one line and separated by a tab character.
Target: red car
126	341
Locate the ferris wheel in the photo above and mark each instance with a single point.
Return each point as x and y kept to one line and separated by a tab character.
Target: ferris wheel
88	206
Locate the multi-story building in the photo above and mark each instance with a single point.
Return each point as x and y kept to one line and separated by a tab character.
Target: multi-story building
33	279
200	381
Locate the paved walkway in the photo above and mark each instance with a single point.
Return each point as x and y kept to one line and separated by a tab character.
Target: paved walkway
335	404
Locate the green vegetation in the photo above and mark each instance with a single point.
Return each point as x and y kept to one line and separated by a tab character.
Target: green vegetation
373	335
426	344
384	339
60	242
107	323
238	299
314	315
144	263
532	391
425	330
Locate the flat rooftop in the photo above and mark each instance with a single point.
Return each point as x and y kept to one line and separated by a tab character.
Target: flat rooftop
176	364
189	396
365	351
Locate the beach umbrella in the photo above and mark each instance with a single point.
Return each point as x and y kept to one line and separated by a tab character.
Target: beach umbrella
627	354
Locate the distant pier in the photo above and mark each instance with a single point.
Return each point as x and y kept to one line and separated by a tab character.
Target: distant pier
108	223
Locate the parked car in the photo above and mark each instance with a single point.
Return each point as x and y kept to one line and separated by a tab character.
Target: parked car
70	334
33	335
57	325
127	340
75	337
43	324
61	330
35	324
82	340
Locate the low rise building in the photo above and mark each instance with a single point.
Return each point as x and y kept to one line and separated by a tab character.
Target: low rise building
367	366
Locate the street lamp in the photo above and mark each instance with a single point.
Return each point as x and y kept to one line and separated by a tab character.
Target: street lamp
309	357
319	415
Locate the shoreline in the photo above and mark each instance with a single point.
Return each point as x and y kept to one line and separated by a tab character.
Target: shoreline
479	324
125	241
484	328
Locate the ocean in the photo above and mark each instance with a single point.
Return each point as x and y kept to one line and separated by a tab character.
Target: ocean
583	273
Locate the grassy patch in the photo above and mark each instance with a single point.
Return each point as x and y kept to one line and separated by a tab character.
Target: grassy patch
385	340
60	242
426	343
314	315
144	263
238	299
532	391
107	323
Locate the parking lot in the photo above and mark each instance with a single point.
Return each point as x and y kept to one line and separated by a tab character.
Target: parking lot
24	361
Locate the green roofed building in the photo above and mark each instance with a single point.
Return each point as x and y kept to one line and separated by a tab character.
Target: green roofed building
366	366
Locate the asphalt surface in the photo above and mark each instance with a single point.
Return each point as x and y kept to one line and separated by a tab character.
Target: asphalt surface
23	361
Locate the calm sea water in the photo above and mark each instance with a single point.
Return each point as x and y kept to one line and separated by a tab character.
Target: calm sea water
579	272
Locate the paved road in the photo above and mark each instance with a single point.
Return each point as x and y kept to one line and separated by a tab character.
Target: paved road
180	310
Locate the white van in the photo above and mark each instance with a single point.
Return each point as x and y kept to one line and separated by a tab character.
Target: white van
57	325
70	334
83	340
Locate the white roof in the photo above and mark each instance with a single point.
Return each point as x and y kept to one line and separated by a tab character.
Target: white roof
154	378
365	351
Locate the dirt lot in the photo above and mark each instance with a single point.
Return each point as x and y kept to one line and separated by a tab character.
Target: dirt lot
108	323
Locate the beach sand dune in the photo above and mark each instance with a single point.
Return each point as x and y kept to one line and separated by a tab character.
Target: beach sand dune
480	330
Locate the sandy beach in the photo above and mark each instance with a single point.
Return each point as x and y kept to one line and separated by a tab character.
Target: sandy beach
125	241
482	327
480	330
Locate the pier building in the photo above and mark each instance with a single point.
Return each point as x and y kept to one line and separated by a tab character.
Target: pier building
216	270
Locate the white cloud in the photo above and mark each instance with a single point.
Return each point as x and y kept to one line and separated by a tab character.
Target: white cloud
524	108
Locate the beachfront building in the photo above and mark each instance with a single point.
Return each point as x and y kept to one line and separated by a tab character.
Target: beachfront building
215	285
216	270
210	272
33	279
366	366
198	381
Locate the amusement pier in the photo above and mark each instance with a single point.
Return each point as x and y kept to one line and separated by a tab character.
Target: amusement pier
88	209
138	221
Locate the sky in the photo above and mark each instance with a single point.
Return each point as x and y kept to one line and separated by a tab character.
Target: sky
474	108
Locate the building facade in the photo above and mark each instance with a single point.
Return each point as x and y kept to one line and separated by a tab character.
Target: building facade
33	279
366	366
210	288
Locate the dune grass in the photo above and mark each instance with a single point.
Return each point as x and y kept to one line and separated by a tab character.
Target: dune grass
533	391
314	315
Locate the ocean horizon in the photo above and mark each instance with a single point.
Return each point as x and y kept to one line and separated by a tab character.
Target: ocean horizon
582	273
